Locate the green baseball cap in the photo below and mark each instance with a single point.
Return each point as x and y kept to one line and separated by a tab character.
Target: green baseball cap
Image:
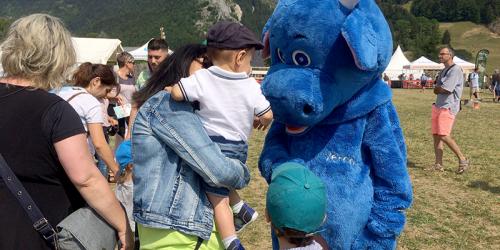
296	198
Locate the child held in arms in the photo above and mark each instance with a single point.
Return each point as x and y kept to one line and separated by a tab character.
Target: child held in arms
229	100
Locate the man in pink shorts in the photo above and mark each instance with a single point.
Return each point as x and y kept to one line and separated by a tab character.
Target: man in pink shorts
448	90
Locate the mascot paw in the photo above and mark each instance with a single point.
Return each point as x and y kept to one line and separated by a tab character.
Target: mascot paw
368	240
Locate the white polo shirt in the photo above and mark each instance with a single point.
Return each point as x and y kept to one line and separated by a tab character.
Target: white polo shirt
228	101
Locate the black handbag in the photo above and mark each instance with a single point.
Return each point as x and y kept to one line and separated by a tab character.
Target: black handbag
83	229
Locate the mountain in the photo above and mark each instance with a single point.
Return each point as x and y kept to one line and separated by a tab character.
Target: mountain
473	37
186	21
134	22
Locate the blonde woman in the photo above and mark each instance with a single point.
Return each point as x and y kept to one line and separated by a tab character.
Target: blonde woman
42	138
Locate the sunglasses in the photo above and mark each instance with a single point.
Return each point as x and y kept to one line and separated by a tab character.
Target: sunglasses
132	62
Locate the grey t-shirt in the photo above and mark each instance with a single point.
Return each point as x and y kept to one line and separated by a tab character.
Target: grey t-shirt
451	79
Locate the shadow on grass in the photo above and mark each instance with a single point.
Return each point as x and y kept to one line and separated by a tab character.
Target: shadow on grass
483	185
411	164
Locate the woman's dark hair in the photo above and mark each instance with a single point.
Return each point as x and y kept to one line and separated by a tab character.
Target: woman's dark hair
88	71
170	71
295	237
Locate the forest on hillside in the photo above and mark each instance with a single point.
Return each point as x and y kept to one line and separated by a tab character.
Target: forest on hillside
416	28
476	11
414	24
133	22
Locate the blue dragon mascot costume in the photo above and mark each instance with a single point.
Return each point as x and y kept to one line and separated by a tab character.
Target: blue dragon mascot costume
334	115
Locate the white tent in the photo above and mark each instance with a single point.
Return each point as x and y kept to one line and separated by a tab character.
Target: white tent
96	50
141	53
424	63
395	67
466	66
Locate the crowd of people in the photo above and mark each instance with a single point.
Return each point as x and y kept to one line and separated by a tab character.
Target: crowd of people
180	148
179	154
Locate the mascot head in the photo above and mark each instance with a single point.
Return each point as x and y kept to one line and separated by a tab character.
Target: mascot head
322	53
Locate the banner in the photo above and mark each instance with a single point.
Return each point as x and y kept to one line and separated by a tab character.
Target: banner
481	59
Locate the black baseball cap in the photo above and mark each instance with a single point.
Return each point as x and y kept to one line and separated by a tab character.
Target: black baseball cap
232	35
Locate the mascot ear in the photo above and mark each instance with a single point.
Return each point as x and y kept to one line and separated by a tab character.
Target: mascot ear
360	36
266	51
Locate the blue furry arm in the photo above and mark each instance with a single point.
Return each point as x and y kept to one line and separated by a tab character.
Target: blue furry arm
384	142
275	151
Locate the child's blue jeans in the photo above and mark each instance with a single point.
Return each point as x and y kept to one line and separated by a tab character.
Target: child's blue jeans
232	149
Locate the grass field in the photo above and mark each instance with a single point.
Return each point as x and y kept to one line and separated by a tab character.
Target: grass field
449	211
473	37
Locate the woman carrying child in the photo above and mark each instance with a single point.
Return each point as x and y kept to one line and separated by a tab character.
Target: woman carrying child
172	157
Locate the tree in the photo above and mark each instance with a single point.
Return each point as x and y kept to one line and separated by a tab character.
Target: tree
464	54
487	15
484	11
4	26
446	37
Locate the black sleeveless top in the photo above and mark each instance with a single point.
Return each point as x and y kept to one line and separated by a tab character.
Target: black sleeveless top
31	121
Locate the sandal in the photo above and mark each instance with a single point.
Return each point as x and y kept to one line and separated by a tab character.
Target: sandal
463	166
436	167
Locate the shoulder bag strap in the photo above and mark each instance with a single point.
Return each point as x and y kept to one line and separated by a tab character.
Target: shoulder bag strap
75	95
448	69
72	97
443	73
40	223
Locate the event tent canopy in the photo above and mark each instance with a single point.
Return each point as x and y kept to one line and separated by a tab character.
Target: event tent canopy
395	67
425	64
141	53
96	50
466	66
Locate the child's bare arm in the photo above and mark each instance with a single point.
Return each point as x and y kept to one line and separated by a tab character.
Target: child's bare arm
176	93
265	120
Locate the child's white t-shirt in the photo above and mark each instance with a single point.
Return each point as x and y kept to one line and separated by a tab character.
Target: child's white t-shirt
313	246
228	101
86	105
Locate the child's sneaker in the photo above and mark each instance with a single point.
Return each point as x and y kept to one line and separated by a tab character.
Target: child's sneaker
244	217
235	245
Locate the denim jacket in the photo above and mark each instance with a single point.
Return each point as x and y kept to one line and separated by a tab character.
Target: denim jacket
173	156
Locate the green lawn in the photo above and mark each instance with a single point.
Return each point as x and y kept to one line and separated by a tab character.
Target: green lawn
449	211
473	37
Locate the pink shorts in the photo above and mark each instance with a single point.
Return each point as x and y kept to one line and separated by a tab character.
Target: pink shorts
442	121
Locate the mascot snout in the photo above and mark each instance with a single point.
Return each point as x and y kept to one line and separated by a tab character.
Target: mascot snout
311	102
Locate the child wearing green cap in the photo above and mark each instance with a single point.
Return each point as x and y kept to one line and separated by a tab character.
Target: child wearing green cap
296	207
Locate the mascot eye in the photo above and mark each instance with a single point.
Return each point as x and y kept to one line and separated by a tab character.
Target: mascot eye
280	55
301	58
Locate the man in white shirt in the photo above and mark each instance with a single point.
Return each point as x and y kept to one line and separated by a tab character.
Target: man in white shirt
474	83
